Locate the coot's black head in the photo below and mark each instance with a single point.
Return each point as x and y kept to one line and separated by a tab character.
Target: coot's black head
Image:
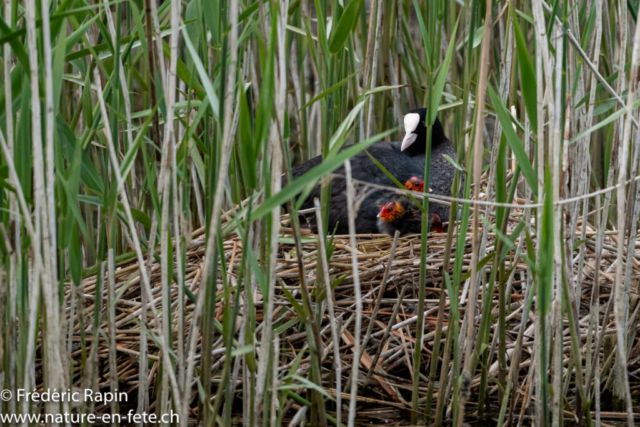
415	138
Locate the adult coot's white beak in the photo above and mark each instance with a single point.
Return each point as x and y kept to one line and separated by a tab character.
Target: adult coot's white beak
411	122
409	138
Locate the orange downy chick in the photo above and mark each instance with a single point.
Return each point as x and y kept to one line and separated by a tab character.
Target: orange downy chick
391	211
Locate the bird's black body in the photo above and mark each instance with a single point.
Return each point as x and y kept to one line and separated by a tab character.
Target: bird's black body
401	164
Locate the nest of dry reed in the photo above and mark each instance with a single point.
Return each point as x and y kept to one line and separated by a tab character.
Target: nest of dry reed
388	395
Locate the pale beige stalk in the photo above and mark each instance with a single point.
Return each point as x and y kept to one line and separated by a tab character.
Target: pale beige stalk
619	305
337	362
478	148
358	295
44	233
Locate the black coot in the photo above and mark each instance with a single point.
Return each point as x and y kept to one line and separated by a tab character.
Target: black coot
403	159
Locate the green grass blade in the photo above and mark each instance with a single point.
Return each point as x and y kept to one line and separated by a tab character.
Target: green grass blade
435	93
527	76
340	32
514	141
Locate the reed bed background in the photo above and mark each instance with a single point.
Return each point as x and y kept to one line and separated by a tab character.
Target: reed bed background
145	247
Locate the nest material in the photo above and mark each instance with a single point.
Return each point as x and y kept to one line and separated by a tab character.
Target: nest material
388	395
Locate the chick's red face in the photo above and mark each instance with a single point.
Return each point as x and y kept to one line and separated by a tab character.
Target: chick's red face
414	184
390	211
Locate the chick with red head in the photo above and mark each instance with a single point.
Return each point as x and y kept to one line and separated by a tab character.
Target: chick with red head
403	214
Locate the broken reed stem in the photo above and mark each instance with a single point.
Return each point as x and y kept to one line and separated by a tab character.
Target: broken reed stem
385	336
383	288
143	384
111	310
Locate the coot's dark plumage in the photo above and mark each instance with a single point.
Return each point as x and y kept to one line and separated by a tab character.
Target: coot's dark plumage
402	159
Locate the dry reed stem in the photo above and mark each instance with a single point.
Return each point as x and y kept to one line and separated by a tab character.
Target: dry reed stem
14	207
555	141
357	293
45	267
619	306
337	362
374	67
217	198
477	171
